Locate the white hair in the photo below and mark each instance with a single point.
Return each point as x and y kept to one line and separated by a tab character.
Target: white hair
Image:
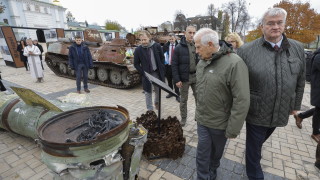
207	35
274	12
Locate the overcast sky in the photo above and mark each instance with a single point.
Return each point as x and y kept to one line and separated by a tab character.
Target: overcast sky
133	13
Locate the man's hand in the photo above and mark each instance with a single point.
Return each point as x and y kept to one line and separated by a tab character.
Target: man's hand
179	84
293	112
30	52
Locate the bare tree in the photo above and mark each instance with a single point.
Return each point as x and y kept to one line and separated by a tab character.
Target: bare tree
240	19
212	11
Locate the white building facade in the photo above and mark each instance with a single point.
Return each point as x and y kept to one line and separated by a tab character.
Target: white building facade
33	13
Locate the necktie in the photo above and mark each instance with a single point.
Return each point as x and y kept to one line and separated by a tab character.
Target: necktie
172	49
276	47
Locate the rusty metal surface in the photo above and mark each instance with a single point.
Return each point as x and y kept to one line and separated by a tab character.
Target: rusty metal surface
92	35
169	143
131	38
112	62
114	54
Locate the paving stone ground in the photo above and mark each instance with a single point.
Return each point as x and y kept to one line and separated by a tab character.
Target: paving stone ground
288	154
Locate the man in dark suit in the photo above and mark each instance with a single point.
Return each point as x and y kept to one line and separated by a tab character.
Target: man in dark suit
35	42
168	50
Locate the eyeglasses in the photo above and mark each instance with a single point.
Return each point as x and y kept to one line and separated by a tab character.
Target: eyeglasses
272	23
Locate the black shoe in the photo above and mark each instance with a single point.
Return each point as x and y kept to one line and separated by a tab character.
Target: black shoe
178	99
169	96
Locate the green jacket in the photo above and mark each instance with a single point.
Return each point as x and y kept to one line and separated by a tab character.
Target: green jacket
223	95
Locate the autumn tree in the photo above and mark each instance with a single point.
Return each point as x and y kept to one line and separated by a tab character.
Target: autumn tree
239	16
113	25
302	23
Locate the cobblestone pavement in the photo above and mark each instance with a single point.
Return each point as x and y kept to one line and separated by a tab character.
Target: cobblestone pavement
288	154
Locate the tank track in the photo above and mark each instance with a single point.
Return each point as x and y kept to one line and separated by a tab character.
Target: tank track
53	61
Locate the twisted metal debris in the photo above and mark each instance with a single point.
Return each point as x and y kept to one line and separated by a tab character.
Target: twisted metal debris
169	143
96	124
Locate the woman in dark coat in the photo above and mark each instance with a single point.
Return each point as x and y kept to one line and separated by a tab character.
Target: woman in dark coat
23	58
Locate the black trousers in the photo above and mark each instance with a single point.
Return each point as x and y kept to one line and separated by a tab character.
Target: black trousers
2	88
315	112
256	136
25	62
169	79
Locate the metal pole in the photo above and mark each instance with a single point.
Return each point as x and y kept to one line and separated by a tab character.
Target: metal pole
159	110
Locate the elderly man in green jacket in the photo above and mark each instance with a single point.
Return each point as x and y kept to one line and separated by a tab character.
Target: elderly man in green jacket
223	99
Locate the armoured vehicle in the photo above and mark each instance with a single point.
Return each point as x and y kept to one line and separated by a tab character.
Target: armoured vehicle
112	61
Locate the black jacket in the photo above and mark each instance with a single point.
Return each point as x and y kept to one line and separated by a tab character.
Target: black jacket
20	50
74	57
315	79
141	63
181	62
41	50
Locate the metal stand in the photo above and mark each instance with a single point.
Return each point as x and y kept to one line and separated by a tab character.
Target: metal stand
162	86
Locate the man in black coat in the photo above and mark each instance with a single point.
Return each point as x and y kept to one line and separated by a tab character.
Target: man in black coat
148	57
168	50
315	93
35	42
184	64
80	60
315	99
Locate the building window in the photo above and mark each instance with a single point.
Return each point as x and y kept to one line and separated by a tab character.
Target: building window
37	8
45	10
6	21
28	7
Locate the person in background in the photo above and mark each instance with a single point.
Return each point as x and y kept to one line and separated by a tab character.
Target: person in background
32	52
223	99
184	64
168	50
149	57
235	40
35	42
20	49
277	77
315	99
80	60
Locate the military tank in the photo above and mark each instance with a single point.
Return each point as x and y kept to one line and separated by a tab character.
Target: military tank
112	61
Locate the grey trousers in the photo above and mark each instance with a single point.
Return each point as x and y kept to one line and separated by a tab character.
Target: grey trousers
184	92
210	148
148	95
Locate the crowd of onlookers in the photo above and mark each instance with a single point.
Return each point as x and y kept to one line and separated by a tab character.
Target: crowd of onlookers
260	83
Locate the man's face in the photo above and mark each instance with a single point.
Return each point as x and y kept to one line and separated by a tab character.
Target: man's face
78	41
273	27
35	42
172	40
189	34
144	40
204	51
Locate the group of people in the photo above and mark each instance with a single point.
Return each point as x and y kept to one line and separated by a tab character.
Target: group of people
31	55
260	82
